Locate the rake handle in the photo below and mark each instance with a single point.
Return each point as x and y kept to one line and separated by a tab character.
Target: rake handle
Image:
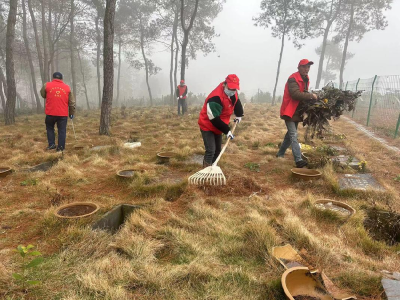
73	128
226	145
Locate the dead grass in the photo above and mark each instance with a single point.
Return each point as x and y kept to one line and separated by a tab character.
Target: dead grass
186	242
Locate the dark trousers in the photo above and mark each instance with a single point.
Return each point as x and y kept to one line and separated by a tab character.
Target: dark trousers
182	103
62	130
212	143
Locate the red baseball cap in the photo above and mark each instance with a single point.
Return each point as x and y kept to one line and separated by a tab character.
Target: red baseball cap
182	81
305	62
232	82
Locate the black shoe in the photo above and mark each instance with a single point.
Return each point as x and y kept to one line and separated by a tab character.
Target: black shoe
59	149
51	147
279	156
301	164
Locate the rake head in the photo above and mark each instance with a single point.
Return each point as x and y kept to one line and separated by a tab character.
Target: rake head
209	176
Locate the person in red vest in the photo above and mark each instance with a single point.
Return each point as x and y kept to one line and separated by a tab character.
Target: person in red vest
296	91
60	103
215	116
181	94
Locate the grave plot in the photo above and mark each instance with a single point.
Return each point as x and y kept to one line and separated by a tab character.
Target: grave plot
115	218
383	226
361	182
45	166
346	160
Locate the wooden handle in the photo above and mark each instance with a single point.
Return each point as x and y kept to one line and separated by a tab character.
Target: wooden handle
226	145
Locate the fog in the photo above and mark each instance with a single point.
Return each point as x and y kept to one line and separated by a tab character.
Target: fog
252	53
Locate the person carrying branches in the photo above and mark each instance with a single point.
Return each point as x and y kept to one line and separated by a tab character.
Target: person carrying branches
296	91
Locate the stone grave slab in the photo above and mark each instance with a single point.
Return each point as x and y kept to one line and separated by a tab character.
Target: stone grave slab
392	288
339	148
360	182
343	161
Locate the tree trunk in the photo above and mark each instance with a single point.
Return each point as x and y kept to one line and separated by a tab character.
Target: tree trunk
51	44
84	81
326	68
176	60
171	80
330	20
11	88
108	69
39	108
279	66
98	57
186	32
38	48
3	99
119	68
72	47
45	45
322	55
146	66
346	43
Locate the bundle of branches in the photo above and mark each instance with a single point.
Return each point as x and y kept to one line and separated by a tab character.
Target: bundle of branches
331	103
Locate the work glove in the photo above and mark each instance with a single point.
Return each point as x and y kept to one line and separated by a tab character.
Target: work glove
180	97
237	119
71	116
230	135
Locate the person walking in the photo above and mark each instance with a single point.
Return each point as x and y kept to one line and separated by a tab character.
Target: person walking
215	115
59	104
296	91
181	94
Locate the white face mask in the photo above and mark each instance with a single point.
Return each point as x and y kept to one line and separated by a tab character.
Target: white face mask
229	92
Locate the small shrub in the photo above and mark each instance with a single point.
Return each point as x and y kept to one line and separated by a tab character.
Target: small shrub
23	277
397	178
253	166
29	182
271	145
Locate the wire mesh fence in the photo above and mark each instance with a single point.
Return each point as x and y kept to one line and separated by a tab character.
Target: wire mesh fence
379	104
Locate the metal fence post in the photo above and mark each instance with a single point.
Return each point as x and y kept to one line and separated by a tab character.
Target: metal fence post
397	127
345	88
354	110
370	101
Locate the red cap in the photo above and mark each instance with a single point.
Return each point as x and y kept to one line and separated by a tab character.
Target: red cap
305	62
232	81
182	81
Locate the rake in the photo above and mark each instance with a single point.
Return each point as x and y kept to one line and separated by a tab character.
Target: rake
213	174
73	128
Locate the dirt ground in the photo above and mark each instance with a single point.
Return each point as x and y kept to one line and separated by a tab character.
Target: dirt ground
260	200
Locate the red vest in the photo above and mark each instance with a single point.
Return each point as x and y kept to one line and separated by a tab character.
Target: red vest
289	105
57	95
182	89
227	110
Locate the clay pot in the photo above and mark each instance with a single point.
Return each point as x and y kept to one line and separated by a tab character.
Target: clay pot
300	283
76	210
164	157
306	174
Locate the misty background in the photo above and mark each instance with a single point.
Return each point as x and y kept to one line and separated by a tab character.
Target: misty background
252	53
71	34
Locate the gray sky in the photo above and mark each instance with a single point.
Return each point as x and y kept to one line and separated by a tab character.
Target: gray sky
252	53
